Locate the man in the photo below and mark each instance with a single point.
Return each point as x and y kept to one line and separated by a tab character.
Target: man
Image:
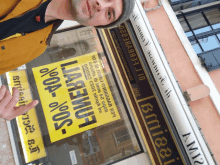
26	27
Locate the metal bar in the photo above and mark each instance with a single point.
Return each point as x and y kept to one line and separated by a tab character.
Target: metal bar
205	34
180	2
207	21
192	30
198	9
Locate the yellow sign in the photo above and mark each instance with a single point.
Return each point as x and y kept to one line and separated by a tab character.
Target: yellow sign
75	96
28	126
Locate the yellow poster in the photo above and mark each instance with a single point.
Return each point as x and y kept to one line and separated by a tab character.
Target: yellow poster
28	126
75	96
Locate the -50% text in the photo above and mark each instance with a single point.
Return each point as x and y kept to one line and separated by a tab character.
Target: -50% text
61	114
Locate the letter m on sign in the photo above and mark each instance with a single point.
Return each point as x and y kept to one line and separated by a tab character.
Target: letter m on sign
190	145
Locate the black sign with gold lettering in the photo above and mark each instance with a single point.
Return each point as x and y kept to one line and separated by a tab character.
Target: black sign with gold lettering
161	138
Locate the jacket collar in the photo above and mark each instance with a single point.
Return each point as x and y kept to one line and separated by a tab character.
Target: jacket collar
55	26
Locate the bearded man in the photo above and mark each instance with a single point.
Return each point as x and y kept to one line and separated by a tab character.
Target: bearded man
26	28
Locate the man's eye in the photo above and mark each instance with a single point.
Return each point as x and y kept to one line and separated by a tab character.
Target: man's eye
109	15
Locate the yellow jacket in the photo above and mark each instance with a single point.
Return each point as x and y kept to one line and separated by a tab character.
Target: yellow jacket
18	50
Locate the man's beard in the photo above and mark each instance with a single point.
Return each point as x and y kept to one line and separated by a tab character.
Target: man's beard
74	4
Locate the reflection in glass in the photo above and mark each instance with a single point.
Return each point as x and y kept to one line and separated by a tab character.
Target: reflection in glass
104	144
196	47
202	30
216	26
212	43
189	33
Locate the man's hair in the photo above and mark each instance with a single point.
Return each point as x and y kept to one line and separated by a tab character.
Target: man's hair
128	7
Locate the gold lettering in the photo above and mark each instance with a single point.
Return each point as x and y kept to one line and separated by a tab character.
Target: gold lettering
170	161
133	55
127	43
124	35
126	39
165	153
137	69
153	121
147	107
161	142
128	46
142	78
121	27
134	59
158	133
136	62
131	51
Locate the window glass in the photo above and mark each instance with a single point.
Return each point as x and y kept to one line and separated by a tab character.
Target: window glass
202	30
189	34
218	36
81	116
210	44
213	15
196	21
216	26
196	48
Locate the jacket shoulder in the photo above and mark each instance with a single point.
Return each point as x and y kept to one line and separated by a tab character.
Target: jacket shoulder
14	8
6	6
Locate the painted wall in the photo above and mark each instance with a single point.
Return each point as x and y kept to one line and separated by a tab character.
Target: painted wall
186	74
184	71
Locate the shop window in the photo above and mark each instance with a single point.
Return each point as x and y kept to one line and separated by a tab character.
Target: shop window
80	105
121	136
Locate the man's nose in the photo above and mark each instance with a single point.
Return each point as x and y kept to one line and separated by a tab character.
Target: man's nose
102	4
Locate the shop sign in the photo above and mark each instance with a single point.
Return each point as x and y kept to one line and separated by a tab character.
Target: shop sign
150	109
28	126
75	96
181	116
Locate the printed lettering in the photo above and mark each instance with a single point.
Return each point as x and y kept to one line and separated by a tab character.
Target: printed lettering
87	122
81	103
199	162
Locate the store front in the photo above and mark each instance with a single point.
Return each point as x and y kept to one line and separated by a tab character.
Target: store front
105	98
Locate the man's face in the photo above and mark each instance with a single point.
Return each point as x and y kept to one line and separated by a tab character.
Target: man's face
96	12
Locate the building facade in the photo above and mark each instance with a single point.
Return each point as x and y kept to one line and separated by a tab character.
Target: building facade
146	92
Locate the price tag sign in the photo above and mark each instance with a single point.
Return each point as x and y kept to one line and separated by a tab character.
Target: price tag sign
75	96
28	126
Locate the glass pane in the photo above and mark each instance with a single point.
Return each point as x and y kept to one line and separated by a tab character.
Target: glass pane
216	26
189	34
196	48
210	44
201	30
213	15
218	36
81	115
196	21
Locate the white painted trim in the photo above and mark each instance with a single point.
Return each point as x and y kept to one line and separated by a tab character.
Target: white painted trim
141	159
177	106
202	72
